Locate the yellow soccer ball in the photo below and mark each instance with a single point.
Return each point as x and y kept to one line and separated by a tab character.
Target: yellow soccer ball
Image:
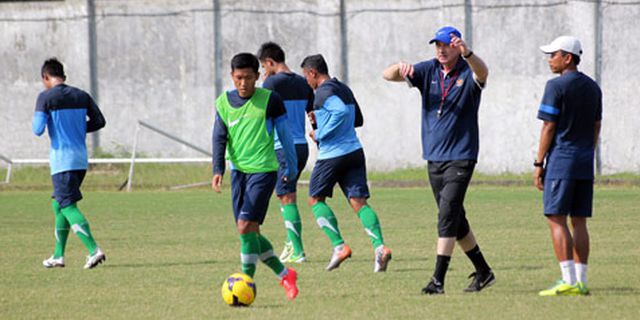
238	290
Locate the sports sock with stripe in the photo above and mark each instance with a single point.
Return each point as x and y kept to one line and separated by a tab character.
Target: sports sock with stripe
80	226
268	257
62	230
293	225
327	222
249	252
371	225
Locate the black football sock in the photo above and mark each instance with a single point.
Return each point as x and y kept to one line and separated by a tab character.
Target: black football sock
442	264
476	257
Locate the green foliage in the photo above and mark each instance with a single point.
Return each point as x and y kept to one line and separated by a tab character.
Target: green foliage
168	253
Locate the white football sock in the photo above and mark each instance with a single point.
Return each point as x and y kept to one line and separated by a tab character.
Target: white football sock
581	273
568	272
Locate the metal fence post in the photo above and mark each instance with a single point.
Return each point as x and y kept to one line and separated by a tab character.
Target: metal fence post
598	71
93	66
468	23
344	43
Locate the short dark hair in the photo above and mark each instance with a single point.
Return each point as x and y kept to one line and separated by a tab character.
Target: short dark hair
316	62
574	57
245	60
271	50
53	68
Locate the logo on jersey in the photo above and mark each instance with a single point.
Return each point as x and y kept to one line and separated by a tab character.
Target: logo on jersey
459	82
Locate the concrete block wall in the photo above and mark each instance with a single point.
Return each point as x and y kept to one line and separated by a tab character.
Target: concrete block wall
156	62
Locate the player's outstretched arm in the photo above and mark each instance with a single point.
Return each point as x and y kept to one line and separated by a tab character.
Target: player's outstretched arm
398	71
479	68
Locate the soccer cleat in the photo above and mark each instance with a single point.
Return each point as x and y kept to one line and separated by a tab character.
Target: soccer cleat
582	289
296	258
480	281
286	252
95	259
560	289
288	282
53	262
340	254
383	256
433	287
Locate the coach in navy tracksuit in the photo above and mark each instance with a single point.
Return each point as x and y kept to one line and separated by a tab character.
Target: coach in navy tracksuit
63	110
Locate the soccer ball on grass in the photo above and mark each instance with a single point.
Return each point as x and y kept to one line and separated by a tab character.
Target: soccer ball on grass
238	290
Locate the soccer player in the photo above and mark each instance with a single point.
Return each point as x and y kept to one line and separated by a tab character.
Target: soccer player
246	119
450	85
298	99
571	111
63	111
340	160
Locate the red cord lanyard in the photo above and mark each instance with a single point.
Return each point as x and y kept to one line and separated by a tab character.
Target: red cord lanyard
444	92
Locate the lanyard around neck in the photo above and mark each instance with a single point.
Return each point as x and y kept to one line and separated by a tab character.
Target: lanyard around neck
443	91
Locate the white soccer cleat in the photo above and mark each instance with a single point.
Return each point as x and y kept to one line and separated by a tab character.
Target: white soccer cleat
53	262
340	254
287	251
94	260
383	256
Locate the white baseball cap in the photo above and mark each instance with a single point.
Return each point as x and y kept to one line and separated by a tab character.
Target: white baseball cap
565	43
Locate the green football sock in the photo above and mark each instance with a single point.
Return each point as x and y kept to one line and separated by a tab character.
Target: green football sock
294	226
268	257
61	232
328	222
249	249
80	226
371	225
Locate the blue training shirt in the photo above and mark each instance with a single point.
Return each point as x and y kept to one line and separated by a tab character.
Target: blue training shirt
337	114
298	100
574	102
454	134
63	110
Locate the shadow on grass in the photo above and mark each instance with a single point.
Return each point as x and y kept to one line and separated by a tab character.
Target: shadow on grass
159	265
521	268
619	291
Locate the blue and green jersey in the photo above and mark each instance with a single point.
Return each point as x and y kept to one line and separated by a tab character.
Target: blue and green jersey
63	110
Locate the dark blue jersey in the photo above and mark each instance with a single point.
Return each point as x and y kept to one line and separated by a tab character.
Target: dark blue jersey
298	99
574	102
63	111
449	111
337	114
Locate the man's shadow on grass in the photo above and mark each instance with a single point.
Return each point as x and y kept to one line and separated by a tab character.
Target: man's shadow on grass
159	265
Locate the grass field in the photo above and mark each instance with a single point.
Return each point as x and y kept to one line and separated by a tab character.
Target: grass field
168	253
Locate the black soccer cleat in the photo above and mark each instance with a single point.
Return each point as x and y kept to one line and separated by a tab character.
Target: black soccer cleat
433	287
480	281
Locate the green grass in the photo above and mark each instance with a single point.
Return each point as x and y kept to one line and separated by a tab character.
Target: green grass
168	253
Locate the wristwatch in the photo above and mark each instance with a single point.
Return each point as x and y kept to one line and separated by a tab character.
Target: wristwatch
538	164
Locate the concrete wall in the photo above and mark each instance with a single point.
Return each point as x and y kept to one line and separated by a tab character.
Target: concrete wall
156	62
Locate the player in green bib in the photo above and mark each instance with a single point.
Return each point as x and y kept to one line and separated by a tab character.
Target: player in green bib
246	121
